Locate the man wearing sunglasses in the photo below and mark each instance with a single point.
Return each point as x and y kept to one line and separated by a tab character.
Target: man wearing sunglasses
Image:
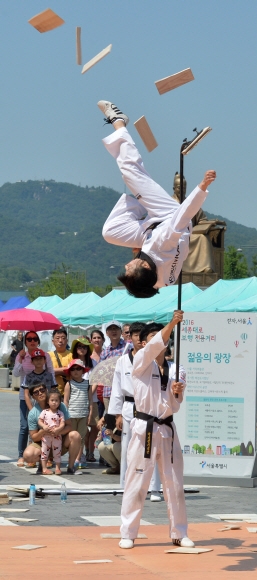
71	440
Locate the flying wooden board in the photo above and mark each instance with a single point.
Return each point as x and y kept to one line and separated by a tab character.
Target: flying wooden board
78	45
96	59
146	134
174	81
46	20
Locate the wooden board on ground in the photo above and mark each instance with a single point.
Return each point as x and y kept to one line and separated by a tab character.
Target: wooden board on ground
253	530
174	81
188	550
4	500
118	536
13	519
46	20
14	510
233	527
96	59
78	45
92	561
146	134
27	547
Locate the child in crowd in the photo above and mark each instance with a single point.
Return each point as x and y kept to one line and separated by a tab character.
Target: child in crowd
78	399
40	374
52	421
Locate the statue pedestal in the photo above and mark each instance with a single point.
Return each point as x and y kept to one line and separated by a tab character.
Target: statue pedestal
202	279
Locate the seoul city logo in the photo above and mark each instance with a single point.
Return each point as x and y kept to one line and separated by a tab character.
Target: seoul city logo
203	464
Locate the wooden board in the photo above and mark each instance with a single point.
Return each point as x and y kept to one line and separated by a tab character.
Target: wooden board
146	134
92	561
96	59
46	20
4	500
27	547
174	81
181	550
78	45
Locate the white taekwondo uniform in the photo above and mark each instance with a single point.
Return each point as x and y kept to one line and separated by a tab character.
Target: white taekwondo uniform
152	400
168	244
122	386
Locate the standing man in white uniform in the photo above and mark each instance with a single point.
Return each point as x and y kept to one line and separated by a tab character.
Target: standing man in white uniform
154	438
122	405
162	238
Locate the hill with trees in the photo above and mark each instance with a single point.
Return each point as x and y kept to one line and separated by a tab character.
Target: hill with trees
45	224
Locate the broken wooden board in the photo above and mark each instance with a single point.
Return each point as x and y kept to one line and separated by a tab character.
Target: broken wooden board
27	547
181	550
233	527
5	500
14	510
78	45
96	59
174	81
252	530
46	20
92	561
146	134
13	519
118	536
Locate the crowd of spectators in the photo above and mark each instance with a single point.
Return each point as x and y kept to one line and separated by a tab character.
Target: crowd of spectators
83	409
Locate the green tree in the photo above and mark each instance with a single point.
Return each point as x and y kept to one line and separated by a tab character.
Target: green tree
63	281
235	264
253	269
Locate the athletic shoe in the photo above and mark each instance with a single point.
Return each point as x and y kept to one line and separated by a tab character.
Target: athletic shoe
91	458
111	112
82	464
76	464
183	542
155	496
70	471
127	544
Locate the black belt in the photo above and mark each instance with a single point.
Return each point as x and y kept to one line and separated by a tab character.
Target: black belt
150	420
130	399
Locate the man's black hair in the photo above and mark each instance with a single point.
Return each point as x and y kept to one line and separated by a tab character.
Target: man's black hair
151	327
136	327
141	283
61	330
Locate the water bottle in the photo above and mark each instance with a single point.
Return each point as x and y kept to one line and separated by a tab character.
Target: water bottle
106	438
63	493
32	494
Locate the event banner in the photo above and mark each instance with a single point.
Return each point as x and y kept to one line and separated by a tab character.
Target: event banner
217	420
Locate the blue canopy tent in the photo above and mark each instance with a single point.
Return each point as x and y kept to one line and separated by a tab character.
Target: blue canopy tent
15	303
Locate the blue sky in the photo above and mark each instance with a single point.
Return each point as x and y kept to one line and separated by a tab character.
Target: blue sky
50	124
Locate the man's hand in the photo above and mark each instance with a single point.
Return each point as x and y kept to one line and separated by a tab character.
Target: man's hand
209	177
177	316
119	422
177	388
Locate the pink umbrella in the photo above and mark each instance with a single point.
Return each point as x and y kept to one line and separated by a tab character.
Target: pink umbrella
28	319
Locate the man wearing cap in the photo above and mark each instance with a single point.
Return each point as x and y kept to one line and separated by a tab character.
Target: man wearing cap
39	375
60	357
71	440
116	348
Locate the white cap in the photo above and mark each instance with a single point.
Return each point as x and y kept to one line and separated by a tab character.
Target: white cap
114	323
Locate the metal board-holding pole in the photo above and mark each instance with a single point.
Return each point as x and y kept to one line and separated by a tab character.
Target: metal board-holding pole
186	147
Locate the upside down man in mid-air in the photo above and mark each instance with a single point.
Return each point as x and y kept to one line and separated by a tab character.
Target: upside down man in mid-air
163	236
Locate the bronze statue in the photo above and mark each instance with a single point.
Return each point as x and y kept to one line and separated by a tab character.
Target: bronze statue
207	240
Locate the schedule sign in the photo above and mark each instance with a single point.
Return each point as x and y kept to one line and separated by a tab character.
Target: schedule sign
217	420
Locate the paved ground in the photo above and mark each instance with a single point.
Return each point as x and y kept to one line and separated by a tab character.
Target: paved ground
78	538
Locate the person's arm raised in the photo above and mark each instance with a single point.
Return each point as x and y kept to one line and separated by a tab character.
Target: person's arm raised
167	330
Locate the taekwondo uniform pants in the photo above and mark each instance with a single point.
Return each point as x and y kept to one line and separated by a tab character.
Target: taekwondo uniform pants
123	227
138	477
155	482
